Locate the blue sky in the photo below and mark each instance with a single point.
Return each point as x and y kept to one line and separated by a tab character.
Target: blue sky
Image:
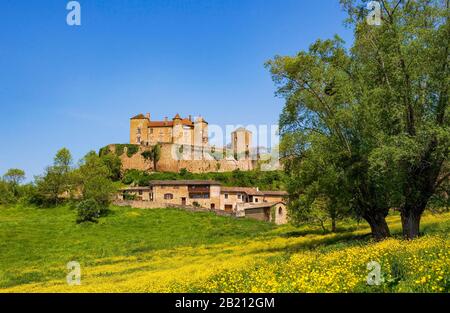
77	87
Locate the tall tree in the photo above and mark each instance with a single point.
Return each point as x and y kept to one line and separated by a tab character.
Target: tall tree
14	177
405	65
326	130
94	180
57	178
382	108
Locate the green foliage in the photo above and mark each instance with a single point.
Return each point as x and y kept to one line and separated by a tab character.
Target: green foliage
88	211
131	149
6	195
14	176
114	165
10	185
374	119
154	154
129	196
402	70
94	179
119	149
56	181
104	151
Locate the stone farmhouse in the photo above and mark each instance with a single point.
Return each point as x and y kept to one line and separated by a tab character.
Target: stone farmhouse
185	144
238	201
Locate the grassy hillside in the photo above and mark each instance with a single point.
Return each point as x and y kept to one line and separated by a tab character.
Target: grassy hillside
171	250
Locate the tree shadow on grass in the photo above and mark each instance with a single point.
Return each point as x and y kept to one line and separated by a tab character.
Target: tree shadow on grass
346	239
318	231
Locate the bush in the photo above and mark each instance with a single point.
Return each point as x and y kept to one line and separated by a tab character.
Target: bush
129	197
132	150
88	211
114	165
6	195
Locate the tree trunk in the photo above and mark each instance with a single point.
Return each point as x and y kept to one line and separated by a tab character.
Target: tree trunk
378	226
411	225
333	224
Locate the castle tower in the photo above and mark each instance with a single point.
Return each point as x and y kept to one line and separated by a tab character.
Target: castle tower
241	143
177	132
201	132
138	129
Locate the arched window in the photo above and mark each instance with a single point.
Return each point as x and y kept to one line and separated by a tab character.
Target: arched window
168	196
280	210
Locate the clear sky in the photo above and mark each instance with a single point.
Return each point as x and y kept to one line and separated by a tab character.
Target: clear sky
77	87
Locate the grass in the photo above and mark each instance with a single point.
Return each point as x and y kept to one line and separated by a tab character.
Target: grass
165	250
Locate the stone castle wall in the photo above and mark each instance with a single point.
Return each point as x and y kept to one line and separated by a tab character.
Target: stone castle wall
174	158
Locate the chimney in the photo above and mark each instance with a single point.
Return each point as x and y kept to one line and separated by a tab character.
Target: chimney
147	115
165	119
257	189
190	118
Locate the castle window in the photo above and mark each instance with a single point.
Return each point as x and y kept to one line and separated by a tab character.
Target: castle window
139	130
168	196
239	196
280	210
226	196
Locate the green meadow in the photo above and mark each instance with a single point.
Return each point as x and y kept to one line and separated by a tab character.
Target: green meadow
165	250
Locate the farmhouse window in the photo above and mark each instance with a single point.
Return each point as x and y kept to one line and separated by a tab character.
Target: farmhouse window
168	196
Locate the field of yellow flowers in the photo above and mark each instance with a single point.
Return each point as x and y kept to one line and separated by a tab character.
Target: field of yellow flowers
272	259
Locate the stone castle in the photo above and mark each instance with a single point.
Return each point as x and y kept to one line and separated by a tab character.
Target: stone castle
184	131
185	144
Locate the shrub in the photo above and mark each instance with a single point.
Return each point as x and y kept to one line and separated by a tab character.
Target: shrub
129	196
6	196
119	149
104	151
88	211
132	150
